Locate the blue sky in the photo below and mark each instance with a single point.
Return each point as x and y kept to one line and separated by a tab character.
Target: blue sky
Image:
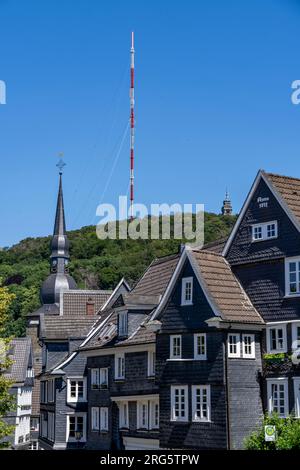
213	87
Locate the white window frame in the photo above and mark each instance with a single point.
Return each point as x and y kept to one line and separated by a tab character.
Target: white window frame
296	381
264	231
104	418
76	399
196	418
295	340
152	414
184	282
151	363
95	418
184	418
278	381
76	415
120	374
123	324
103	378
250	355
201	357
287	261
238	345
95	379
124	415
172	338
140	405
278	326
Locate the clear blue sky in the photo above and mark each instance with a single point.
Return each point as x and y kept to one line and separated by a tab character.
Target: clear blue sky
213	103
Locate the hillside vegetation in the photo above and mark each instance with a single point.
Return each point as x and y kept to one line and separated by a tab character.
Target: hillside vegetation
94	263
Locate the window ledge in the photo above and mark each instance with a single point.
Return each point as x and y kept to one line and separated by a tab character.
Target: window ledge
120	380
187	304
291	296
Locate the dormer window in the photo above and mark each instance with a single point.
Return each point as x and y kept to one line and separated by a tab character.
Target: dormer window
187	291
123	324
265	231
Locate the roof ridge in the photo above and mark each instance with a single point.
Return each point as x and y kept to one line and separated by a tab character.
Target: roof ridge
281	176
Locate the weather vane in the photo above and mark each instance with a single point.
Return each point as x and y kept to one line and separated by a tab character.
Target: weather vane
61	163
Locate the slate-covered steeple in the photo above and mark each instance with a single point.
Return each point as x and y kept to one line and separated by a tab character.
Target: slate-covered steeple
60	243
59	278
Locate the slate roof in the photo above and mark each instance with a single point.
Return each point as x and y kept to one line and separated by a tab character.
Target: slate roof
217	246
223	288
19	352
156	278
74	302
74	322
146	293
289	190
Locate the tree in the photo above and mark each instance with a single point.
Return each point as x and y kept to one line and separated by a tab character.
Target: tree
6	400
287	434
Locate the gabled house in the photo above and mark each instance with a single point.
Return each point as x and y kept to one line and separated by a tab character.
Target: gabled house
20	372
123	393
264	253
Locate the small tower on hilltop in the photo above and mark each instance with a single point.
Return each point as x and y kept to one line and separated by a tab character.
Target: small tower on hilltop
227	207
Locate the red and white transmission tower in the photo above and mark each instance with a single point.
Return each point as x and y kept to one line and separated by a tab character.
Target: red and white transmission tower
132	126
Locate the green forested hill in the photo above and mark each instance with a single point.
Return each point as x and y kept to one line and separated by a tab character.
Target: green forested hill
94	263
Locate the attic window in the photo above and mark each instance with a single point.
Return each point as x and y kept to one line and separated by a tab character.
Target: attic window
264	231
90	307
187	291
123	324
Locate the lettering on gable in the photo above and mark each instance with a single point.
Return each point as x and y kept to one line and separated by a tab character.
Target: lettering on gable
262	202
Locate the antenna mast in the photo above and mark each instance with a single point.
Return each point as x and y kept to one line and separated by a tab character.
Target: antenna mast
132	125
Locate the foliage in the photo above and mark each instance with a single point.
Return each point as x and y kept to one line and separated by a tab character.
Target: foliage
278	357
94	263
287	434
6	400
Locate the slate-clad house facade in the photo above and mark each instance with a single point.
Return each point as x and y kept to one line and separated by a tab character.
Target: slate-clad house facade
264	253
191	357
20	372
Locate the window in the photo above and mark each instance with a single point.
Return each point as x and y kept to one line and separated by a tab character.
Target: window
51	426
34	424
201	403
44	392
123	324
295	335
292	276
179	403
187	291
297	396
200	346
95	378
104	419
76	389
154	414
248	346
95	418
119	366
151	363
276	339
50	390
104	378
264	231
44	424
233	345
175	346
123	415
278	397
142	414
76	424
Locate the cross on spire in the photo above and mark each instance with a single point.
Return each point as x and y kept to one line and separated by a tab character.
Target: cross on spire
61	164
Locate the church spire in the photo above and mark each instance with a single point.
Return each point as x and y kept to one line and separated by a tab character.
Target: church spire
59	244
227	207
59	279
